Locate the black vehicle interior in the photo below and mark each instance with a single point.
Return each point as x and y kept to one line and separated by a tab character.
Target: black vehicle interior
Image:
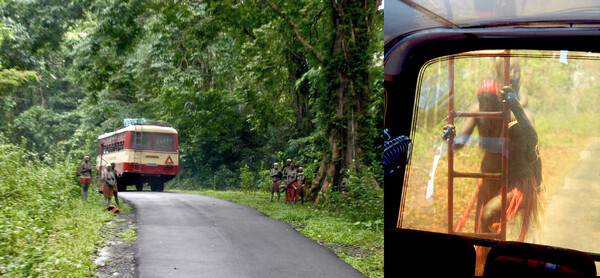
446	254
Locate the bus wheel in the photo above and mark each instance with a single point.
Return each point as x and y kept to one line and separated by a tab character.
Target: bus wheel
122	187
139	186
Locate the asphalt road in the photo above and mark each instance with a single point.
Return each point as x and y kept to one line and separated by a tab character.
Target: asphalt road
182	235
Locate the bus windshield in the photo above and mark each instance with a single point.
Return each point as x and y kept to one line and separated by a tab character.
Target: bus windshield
154	141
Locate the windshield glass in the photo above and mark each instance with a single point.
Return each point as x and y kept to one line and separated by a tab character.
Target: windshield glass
545	150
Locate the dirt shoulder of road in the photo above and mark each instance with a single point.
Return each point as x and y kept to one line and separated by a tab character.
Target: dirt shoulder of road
117	257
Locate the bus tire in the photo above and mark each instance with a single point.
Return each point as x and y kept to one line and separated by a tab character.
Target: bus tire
122	187
139	186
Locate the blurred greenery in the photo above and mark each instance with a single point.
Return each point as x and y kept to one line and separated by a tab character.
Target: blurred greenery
45	229
234	78
242	85
562	97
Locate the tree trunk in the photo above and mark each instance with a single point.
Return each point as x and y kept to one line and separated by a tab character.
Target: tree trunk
348	65
343	99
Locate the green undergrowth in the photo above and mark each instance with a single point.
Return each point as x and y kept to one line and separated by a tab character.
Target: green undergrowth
45	228
358	243
129	234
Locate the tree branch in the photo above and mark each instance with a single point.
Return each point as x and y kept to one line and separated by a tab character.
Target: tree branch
370	16
295	29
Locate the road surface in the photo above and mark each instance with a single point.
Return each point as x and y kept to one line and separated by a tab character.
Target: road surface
573	211
182	235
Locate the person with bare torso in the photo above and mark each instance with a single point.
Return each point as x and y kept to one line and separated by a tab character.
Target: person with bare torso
85	176
291	183
116	187
301	185
524	167
110	182
276	175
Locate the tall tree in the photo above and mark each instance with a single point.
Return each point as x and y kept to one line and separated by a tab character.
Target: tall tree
345	93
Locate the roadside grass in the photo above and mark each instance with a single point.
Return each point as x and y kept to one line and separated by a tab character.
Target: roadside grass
45	228
67	247
76	233
360	244
129	234
561	140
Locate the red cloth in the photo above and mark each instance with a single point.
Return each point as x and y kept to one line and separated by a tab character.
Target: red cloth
290	192
107	191
275	186
490	87
85	180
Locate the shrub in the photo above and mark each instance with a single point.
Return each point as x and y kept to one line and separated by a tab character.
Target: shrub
246	178
361	201
31	191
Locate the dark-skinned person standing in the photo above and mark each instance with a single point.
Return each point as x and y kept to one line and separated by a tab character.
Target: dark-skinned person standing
85	176
116	187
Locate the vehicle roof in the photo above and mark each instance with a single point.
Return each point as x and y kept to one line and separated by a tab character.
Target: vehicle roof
403	17
141	128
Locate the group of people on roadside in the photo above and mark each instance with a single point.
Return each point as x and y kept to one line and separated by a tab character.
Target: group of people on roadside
108	182
294	182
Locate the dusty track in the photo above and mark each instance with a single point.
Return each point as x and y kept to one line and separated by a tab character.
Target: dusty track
573	211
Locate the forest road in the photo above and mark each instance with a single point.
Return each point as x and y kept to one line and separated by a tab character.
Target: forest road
183	235
573	211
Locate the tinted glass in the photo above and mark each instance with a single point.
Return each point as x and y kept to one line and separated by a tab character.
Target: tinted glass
163	142
552	180
142	140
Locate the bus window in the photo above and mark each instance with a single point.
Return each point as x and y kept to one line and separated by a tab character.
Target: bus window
163	141
142	141
559	93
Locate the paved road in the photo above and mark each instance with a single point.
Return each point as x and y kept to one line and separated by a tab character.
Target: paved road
181	235
573	211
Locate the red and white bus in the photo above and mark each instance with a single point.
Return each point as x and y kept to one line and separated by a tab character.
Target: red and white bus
143	152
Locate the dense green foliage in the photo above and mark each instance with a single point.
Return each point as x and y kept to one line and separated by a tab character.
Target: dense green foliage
45	229
244	82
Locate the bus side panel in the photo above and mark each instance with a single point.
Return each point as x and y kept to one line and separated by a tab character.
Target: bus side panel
176	141
151	170
128	140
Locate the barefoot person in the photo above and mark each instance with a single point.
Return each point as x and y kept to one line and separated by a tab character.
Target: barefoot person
85	176
276	175
301	185
116	187
525	189
110	181
291	183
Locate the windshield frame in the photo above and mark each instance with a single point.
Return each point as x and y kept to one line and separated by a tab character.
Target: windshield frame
406	57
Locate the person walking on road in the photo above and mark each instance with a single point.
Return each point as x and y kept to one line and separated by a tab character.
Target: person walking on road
85	176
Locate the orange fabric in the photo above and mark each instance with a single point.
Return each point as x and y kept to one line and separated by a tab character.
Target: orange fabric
107	191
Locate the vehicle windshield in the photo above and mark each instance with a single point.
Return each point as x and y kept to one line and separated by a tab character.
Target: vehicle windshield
154	141
549	140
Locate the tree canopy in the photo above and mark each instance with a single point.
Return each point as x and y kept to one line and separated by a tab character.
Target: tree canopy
245	83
